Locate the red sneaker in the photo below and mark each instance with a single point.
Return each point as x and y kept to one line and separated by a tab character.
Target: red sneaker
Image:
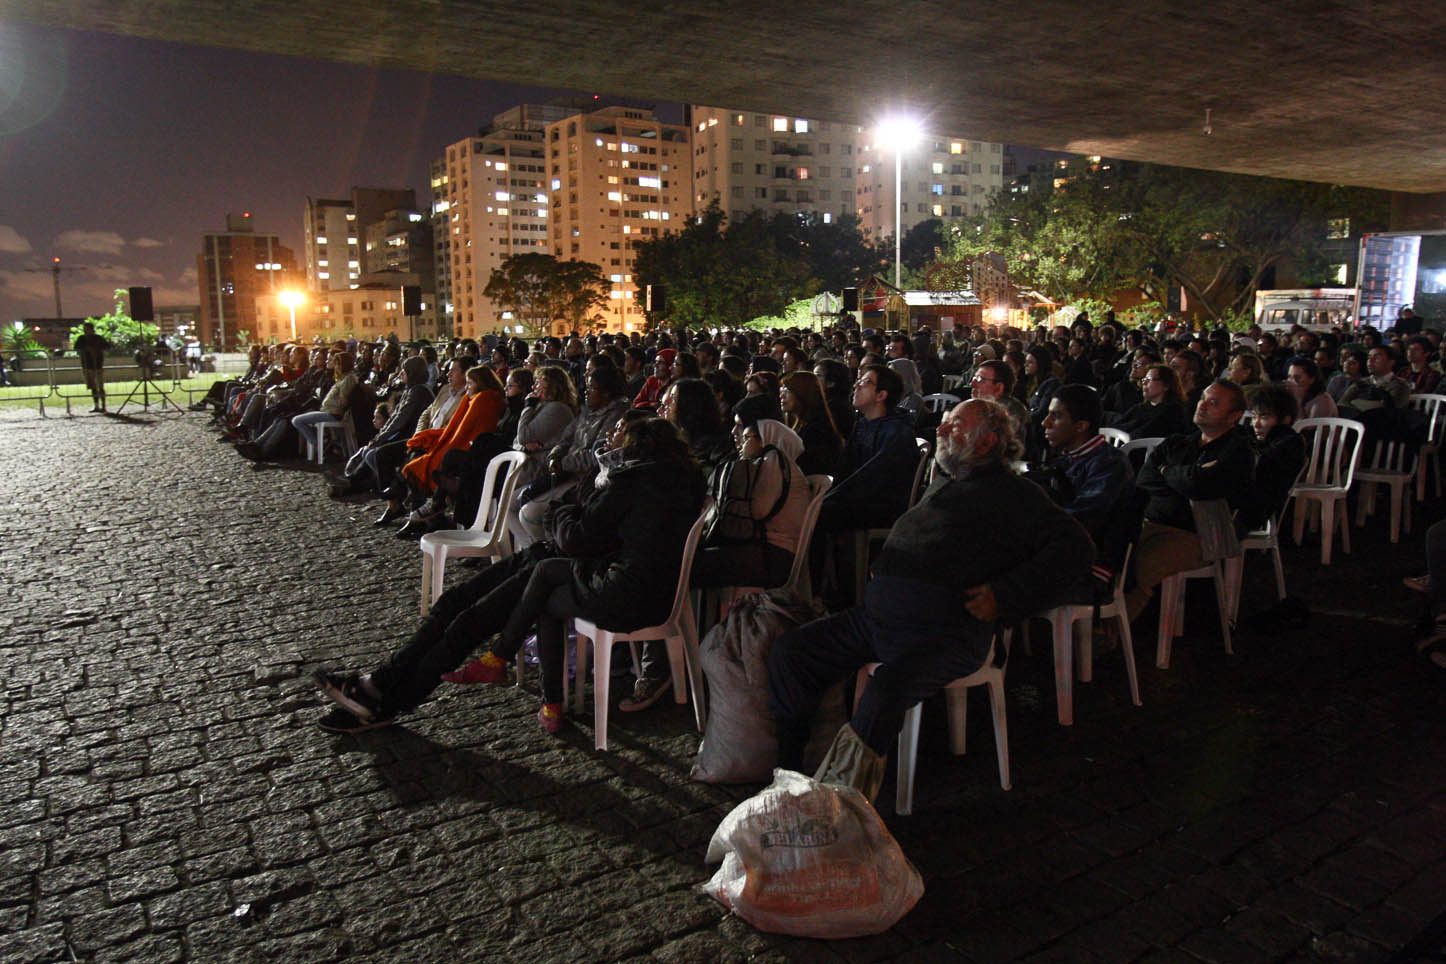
550	716
489	669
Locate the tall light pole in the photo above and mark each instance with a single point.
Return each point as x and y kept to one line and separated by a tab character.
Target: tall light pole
901	133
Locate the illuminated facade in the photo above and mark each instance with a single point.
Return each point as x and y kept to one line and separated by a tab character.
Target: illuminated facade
942	177
488	203
616	176
749	161
365	313
333	229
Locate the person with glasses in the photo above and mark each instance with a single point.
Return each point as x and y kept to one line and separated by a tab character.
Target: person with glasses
994	382
1161	411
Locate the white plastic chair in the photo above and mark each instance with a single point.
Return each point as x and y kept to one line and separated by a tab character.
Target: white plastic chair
952	382
679	632
1062	621
940	402
1433	407
1119	438
1333	447
348	437
1394	466
1147	445
956	695
487	536
863	538
1261	540
1172	589
798	579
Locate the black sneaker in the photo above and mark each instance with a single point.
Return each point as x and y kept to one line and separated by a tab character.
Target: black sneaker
343	721
646	691
347	693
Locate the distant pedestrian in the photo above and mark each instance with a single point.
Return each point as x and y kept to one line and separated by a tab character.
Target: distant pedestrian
90	348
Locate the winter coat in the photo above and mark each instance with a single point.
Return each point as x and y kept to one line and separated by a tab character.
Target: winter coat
474	416
627	542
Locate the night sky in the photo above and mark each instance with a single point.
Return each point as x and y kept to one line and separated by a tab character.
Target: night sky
117	154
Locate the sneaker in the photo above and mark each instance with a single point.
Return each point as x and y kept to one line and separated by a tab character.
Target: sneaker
1418	583
348	693
646	691
344	721
550	716
489	669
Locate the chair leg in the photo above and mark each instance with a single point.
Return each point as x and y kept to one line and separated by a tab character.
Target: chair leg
320	444
581	647
1001	727
1343	508
1166	636
696	682
1222	601
956	700
1327	530
602	672
426	584
439	574
1060	631
1234	576
908	747
1127	645
677	668
1083	632
1279	572
1298	530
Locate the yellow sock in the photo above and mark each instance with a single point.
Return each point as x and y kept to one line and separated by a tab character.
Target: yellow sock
491	659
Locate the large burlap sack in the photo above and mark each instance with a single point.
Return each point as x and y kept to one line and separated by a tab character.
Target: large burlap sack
812	860
738	740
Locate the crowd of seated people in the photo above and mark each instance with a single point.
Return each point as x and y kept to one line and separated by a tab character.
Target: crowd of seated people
613	482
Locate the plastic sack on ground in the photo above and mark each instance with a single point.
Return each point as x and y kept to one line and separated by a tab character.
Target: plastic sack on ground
811	860
738	740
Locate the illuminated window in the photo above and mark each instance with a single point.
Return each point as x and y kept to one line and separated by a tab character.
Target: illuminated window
938	168
780	124
320	239
938	210
800	126
956	147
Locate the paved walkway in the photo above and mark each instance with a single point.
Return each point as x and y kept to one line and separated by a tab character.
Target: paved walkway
167	797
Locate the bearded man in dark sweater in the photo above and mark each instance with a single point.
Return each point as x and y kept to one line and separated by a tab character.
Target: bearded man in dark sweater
981	545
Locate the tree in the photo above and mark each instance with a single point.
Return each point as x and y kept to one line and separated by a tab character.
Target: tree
119	328
539	289
1115	227
722	271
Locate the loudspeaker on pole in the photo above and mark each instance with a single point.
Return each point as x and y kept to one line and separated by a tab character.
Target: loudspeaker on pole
657	299
141	307
851	299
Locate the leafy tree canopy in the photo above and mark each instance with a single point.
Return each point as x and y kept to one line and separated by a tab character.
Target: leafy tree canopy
119	328
722	271
539	289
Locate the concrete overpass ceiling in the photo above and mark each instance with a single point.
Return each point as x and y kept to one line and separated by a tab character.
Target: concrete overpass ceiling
1346	91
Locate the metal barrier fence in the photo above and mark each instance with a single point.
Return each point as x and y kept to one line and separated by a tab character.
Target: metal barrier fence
59	377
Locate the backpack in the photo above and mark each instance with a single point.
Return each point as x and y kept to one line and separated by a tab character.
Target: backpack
732	522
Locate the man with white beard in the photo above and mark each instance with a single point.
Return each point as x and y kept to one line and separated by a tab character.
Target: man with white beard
980	534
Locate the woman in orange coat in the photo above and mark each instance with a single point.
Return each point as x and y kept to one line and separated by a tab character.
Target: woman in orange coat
477	413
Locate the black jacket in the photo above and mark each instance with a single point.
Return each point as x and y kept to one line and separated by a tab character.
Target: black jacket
627	542
1180	470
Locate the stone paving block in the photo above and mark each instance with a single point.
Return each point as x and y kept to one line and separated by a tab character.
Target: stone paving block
1310	909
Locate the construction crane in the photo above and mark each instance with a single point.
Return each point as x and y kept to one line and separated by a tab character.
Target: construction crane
55	269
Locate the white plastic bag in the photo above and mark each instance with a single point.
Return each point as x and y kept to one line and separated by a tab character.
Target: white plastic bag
811	860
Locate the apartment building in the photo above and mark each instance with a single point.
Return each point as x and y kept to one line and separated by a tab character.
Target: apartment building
233	269
940	177
333	229
617	176
367	313
489	201
747	161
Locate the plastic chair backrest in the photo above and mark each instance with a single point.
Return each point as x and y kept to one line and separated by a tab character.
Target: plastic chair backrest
819	486
681	598
1137	444
926	449
1432	407
485	515
1333	445
1394	457
940	401
1116	437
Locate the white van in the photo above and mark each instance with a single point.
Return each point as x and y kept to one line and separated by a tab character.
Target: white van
1314	309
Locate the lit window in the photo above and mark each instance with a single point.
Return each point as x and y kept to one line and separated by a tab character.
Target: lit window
615	196
712	122
827	218
320	239
501	165
414	217
353	264
615	278
800	126
500	195
938	167
938	210
956	147
321	264
615	295
780	124
351	240
803	173
503	211
598	142
323	275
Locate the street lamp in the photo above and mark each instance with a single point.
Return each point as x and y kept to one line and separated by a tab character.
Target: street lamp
902	134
291	299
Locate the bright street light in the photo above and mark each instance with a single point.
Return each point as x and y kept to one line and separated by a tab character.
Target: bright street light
902	134
291	299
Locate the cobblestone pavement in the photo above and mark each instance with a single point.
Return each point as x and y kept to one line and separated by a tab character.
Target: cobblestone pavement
167	796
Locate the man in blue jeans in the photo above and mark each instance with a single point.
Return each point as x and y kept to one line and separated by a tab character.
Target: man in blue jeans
981	545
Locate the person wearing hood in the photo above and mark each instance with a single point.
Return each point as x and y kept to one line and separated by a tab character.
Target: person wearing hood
612	560
374	464
658	382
